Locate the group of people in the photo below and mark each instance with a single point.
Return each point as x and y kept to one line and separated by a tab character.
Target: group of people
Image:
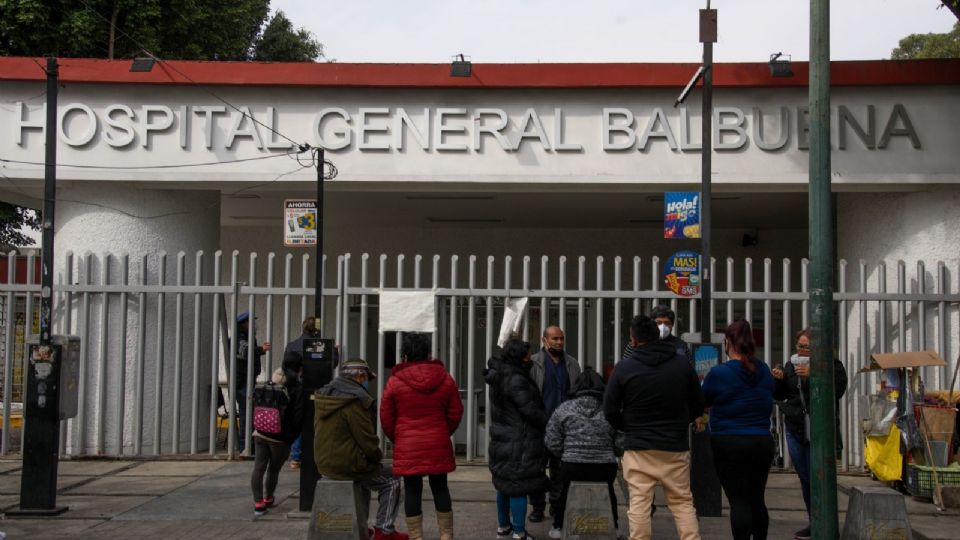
552	422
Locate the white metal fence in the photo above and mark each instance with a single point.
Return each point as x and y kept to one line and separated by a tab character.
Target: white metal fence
154	342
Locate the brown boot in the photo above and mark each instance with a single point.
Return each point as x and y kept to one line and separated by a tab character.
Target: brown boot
445	523
415	527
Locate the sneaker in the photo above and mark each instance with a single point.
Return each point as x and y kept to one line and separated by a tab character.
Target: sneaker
269	501
556	532
378	534
294	465
523	536
503	532
803	534
259	508
536	516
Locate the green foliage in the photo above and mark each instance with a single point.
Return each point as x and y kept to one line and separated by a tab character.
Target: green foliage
170	29
281	43
929	46
12	219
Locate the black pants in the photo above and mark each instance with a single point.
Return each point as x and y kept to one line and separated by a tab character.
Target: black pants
585	472
539	500
270	458
412	501
743	463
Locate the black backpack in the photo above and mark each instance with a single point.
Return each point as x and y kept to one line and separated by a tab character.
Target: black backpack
270	402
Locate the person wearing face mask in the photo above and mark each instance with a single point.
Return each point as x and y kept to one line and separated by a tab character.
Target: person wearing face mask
665	318
347	446
553	371
421	409
792	391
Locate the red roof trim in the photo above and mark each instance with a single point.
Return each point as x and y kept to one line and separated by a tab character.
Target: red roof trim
846	73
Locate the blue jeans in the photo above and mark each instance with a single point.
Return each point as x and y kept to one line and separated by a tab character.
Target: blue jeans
295	451
800	456
516	507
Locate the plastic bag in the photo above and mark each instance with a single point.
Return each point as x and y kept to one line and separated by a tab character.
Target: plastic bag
882	455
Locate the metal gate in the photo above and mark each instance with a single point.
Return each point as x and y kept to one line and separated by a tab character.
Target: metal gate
154	332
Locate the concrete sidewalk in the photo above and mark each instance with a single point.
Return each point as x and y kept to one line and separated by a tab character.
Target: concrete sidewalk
212	499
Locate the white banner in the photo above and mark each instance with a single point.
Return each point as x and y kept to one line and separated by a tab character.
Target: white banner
407	311
512	315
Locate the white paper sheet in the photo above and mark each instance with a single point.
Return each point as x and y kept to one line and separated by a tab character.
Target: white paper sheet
512	316
407	311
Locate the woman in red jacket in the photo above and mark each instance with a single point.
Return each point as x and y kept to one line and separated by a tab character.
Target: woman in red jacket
420	410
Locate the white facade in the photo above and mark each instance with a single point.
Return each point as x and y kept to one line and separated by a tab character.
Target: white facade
506	170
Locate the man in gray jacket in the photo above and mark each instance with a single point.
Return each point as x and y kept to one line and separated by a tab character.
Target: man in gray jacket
553	371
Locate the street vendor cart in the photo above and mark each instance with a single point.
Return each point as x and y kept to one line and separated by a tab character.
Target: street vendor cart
909	430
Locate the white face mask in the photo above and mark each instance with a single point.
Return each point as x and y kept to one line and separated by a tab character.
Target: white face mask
664	331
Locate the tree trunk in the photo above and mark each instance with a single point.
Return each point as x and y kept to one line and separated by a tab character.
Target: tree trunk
113	28
953	6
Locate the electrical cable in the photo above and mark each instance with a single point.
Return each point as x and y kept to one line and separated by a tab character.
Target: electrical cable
139	167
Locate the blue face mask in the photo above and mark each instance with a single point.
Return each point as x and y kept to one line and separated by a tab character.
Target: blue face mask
365	385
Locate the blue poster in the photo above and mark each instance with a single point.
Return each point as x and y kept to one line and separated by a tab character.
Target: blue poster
681	273
705	356
681	214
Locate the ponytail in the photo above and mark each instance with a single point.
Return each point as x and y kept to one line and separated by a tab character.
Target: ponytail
740	337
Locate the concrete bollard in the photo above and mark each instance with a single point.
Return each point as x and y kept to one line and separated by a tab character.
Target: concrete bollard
876	512
587	515
340	511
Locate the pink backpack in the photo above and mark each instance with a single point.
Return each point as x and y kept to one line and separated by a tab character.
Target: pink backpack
270	402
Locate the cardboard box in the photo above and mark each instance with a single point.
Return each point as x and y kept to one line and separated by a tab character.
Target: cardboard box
903	360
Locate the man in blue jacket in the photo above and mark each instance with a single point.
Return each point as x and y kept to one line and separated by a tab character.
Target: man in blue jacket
653	396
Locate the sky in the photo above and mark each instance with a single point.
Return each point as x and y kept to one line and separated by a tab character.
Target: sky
520	31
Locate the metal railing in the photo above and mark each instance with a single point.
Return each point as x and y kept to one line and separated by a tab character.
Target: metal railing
155	350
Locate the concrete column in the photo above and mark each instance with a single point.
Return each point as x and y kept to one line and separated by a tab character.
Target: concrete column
104	221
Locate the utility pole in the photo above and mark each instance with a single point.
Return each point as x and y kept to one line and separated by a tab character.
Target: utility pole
704	481
708	36
38	481
316	372
822	402
318	283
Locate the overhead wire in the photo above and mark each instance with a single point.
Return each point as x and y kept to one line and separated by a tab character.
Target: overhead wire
165	166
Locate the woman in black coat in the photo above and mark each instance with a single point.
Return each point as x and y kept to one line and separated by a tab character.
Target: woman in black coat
516	453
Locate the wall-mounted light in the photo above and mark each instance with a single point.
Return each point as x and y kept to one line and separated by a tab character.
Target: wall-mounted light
461	67
780	67
142	64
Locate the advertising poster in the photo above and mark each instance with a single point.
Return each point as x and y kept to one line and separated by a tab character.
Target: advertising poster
705	356
681	214
681	273
300	222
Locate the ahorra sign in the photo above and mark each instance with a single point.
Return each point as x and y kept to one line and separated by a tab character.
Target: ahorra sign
457	129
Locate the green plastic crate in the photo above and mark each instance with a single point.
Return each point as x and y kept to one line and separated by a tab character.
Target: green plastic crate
920	479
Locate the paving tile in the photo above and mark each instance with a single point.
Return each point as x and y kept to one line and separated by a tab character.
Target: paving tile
98	506
91	468
175	468
10	483
223	495
10	466
122	485
48	529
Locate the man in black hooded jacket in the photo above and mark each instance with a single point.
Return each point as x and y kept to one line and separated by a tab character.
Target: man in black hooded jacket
653	396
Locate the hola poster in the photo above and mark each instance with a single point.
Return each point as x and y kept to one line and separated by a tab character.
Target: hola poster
681	214
300	222
681	273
